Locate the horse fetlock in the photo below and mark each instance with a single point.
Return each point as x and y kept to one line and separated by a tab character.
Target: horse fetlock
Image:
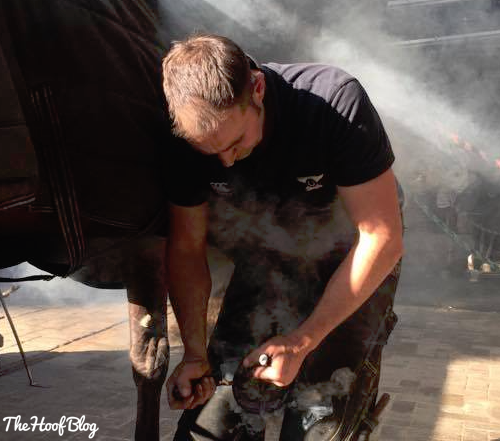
149	349
151	360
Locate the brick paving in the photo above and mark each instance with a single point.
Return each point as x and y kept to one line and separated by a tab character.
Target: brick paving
442	369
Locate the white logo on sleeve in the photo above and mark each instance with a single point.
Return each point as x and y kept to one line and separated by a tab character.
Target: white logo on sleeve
312	182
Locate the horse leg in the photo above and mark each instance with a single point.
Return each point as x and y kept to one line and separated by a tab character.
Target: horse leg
140	266
149	357
145	280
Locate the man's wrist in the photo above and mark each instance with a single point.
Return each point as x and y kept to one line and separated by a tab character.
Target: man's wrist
301	342
195	354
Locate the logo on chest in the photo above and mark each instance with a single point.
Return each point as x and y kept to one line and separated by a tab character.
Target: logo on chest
222	188
312	182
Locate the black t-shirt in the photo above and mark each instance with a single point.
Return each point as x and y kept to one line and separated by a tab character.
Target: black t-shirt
321	131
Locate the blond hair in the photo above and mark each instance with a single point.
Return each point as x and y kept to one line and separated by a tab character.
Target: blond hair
204	76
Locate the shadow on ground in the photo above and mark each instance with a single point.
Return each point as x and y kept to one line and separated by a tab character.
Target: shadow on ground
441	367
95	384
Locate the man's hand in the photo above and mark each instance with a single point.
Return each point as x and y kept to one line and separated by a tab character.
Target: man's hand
286	354
190	381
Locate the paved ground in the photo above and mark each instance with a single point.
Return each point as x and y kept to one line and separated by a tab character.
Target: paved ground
442	368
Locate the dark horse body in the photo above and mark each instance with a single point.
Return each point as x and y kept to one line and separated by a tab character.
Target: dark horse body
82	135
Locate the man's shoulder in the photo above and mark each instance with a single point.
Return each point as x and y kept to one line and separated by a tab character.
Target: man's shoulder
322	79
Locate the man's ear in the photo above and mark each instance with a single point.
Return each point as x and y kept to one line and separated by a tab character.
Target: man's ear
259	87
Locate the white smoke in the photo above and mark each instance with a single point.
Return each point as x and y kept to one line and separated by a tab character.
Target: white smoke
321	394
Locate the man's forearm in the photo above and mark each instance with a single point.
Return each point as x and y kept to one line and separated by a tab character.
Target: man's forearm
189	291
355	280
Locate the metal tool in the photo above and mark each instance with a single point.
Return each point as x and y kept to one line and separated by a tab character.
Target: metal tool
372	419
4	294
